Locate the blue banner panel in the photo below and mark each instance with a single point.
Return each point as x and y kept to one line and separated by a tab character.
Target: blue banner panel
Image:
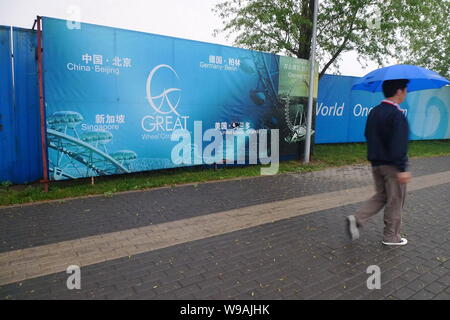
429	115
341	113
114	97
332	111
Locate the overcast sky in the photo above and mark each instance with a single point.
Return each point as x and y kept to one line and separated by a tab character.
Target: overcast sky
190	19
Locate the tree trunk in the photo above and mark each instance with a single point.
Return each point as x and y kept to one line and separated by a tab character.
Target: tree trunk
305	33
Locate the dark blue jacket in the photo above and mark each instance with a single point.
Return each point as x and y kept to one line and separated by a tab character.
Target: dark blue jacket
387	134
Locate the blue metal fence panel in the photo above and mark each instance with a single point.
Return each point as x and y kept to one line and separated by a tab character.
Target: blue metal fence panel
7	152
20	157
29	168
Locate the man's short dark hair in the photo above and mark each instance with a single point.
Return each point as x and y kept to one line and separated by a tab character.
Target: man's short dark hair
390	87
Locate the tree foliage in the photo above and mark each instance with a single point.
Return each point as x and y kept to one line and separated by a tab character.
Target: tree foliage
408	31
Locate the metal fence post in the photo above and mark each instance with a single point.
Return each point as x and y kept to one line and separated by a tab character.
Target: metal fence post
45	180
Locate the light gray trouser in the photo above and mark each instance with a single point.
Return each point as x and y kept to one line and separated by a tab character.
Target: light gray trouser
390	194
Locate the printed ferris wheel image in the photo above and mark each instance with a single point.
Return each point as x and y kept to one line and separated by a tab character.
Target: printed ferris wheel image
265	90
73	155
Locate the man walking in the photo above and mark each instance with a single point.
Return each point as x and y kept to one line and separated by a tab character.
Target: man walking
387	136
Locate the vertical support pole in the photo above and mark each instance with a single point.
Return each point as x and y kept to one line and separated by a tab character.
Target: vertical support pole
312	57
42	106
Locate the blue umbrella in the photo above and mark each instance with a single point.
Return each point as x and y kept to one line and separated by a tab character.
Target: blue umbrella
420	78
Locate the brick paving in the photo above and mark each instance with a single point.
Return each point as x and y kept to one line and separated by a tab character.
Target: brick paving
298	257
18	265
53	222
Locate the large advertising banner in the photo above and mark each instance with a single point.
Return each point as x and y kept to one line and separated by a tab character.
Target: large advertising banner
341	113
115	97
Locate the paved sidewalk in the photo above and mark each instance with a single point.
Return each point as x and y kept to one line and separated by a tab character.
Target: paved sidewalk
279	237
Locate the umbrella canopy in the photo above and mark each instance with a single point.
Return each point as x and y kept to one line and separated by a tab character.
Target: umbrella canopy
420	78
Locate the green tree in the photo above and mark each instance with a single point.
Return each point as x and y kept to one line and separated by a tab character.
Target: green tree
408	31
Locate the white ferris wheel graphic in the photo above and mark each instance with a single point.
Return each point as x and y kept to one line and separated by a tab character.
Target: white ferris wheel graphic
165	105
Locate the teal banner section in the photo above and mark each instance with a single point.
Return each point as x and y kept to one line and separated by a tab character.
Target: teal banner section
115	97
